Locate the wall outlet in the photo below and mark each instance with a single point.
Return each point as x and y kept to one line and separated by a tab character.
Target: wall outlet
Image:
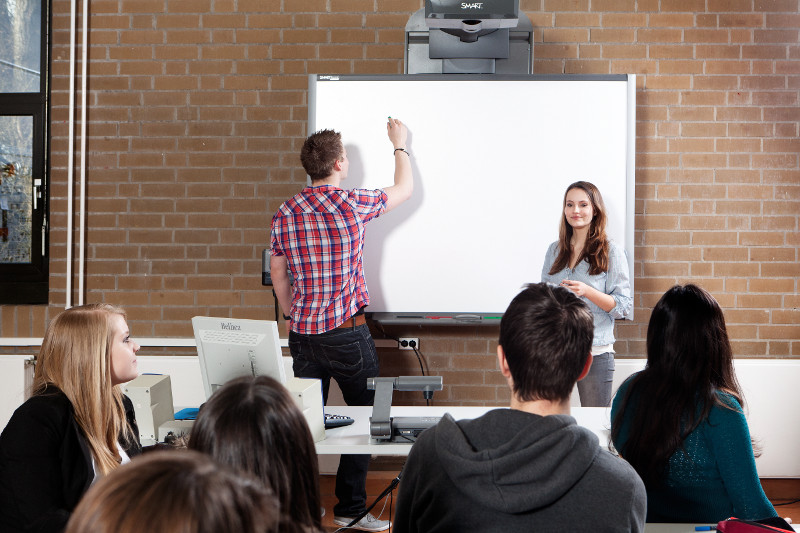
408	343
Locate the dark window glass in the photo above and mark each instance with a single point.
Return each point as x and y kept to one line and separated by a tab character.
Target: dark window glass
16	198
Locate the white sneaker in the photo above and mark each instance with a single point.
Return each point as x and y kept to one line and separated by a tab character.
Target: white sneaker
368	523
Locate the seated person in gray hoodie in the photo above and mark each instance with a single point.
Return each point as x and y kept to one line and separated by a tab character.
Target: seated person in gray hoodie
530	467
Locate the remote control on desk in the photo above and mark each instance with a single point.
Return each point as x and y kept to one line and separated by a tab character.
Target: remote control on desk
336	421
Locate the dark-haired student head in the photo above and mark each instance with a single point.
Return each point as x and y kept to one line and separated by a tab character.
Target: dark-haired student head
687	340
254	425
176	492
689	359
546	335
668	420
529	467
320	152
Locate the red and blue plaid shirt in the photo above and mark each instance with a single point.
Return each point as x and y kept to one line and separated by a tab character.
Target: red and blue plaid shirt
321	233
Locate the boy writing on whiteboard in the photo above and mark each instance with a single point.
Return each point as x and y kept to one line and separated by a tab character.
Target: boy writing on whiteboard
318	236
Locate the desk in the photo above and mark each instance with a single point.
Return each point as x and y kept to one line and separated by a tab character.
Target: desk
355	438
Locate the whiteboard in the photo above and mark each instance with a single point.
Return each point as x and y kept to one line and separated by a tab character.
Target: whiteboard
492	157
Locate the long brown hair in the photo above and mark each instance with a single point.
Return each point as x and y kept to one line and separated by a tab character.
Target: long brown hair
689	361
595	250
254	425
76	358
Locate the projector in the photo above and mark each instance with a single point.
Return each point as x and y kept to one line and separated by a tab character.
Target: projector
474	16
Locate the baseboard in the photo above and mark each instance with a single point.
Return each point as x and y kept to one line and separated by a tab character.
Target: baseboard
781	488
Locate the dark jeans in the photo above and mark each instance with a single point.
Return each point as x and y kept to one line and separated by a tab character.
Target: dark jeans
595	389
348	356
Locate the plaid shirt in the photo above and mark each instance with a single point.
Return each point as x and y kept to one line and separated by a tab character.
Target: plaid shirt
321	233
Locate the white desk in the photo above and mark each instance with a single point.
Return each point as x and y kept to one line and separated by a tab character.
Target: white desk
355	438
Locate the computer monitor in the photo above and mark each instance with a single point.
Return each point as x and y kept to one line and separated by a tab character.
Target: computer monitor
232	347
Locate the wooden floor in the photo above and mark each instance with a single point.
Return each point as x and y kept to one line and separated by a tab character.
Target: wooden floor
377	481
778	491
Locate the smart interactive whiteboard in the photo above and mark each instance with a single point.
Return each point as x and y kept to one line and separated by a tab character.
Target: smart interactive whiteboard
492	156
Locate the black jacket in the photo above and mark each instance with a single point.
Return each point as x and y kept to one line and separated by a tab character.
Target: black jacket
45	463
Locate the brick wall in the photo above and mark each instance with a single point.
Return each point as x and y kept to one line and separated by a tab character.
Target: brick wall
197	110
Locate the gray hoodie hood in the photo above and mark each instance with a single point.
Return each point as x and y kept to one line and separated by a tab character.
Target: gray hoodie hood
515	461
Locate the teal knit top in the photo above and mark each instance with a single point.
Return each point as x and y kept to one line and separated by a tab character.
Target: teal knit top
713	477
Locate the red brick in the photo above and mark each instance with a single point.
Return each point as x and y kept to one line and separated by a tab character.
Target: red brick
741	20
552	51
563	35
729	5
141	6
581	20
612	36
692	6
670	51
188	37
358	6
165	21
351	35
783	20
590	66
565	5
782	114
777	36
541	20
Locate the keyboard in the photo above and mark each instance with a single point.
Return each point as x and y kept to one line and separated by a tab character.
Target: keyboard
336	421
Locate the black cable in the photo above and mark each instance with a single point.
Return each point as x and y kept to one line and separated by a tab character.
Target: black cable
380	327
786	503
419	358
391	504
397	340
416	352
409	439
388	490
277	306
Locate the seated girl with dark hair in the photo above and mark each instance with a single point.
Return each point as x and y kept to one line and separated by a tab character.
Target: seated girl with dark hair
680	423
254	425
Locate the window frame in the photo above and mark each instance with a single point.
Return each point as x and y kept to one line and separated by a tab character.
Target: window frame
28	283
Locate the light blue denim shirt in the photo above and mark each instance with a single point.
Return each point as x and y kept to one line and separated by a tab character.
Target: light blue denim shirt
616	283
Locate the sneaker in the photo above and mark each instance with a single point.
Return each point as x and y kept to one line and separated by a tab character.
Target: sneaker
368	523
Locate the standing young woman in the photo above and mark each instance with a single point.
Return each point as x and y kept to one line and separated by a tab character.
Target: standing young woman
679	422
254	426
76	426
584	261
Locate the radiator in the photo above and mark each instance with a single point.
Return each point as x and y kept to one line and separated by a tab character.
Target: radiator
16	378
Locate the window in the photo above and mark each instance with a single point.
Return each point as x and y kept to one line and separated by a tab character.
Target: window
23	149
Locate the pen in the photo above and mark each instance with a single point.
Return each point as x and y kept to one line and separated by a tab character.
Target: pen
705	528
